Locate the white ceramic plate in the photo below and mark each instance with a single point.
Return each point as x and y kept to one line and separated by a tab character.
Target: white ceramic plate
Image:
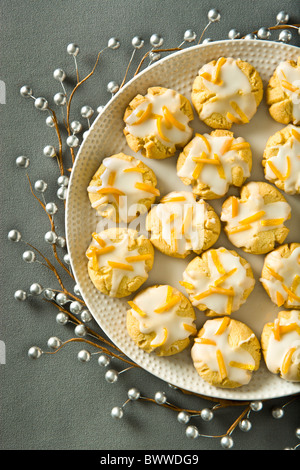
106	138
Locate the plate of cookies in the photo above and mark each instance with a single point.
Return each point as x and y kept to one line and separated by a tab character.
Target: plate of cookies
183	215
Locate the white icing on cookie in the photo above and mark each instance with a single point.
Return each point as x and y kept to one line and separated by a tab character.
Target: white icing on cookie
289	77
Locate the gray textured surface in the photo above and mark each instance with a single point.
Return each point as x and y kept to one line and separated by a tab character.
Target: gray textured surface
57	402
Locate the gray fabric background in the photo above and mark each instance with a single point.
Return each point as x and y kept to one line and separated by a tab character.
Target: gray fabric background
58	402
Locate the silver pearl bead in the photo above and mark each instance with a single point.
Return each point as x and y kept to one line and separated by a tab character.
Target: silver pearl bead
40	185
49	294
63	180
49	151
84	355
251	36
86	112
14	235
35	352
26	91
113	43
282	17
22	162
134	394
49	121
213	15
76	127
59	75
103	360
62	193
160	398
227	442
50	237
297	432
112	87
154	56
285	36
61	242
100	109
62	318
60	99
263	33
137	42
20	295
207	41
189	35
234	34
75	307
192	432
117	412
86	316
61	298
245	425
278	413
54	342
41	103
183	417
73	49
28	256
77	290
67	258
256	405
35	289
111	376
80	330
51	208
206	414
156	40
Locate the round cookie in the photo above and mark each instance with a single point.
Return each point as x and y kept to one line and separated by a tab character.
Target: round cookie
180	225
227	91
161	319
157	124
282	93
119	260
122	188
255	221
218	282
280	342
211	163
226	352
281	159
280	275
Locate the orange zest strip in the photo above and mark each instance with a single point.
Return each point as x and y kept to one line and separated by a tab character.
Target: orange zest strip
187	220
105	249
270	222
135	169
290	293
146	114
221	364
98	239
252	218
172	218
133	259
156	345
217	262
240	146
224	324
209	161
295	283
221	61
276	330
95	262
114	264
239	365
147	188
169	117
205	141
159	128
190	328
238	229
174	239
168	305
226	146
197	170
202	295
187	285
289	86
93	250
169	293
229	306
279	299
224	277
286	363
274	273
238	110
137	309
208	341
275	170
173	199
111	178
288	328
234	207
222	291
232	118
110	191
296	134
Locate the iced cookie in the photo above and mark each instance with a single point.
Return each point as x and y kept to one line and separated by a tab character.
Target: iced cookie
227	91
180	224
122	188
211	163
161	319
157	124
281	275
281	159
226	352
218	282
119	260
283	93
280	342
255	221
